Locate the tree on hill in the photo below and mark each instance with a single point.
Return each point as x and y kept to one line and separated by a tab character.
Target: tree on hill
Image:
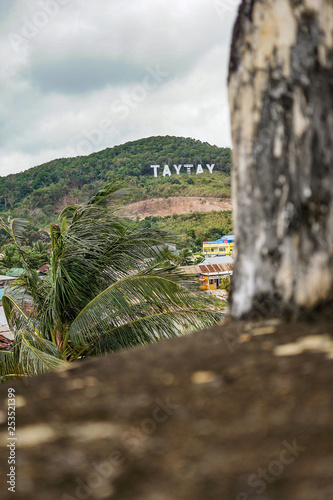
185	257
36	249
40	191
103	291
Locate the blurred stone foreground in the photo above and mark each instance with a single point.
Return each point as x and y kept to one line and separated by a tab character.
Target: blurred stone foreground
240	411
244	410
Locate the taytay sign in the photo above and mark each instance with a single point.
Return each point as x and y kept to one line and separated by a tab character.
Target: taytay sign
187	167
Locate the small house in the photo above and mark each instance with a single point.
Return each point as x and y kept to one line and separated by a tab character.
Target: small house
211	271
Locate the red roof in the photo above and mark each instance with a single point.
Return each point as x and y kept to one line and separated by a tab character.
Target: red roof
5	343
44	268
208	269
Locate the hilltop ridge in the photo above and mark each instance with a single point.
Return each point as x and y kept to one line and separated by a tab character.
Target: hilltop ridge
40	192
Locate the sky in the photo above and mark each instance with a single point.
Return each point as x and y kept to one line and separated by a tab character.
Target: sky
78	76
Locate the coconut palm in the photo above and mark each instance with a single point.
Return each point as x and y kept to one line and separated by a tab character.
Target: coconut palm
185	257
103	291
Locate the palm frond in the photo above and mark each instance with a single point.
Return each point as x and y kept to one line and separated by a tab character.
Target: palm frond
139	309
9	366
103	292
16	228
150	329
68	211
110	197
111	193
99	253
14	307
38	355
29	356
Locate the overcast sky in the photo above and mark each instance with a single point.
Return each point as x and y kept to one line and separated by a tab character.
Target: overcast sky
77	76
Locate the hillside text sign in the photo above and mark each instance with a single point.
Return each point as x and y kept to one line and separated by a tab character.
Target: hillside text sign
187	167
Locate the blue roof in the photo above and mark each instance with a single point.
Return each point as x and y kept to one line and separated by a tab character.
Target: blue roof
229	239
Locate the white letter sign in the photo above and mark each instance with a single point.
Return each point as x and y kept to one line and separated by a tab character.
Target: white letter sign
155	167
166	171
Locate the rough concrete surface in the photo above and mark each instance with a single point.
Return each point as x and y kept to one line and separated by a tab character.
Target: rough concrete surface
240	411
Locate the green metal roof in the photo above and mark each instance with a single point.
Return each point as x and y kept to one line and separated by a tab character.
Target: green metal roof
14	272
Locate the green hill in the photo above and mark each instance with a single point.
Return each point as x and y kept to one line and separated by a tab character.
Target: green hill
192	229
40	192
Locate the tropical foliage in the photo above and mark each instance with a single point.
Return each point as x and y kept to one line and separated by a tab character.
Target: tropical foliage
36	245
106	290
39	192
193	228
216	185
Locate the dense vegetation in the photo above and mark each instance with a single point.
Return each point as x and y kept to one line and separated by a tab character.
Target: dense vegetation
194	228
217	185
36	246
186	230
107	288
41	192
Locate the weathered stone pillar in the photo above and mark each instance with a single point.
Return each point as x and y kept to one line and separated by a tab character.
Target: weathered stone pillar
281	100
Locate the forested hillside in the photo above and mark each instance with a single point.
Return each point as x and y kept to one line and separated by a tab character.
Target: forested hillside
192	229
41	192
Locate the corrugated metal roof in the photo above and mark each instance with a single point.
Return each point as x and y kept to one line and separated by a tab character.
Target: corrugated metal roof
5	344
15	272
208	269
218	268
44	268
217	259
191	269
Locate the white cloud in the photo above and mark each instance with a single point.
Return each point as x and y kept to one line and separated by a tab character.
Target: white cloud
79	78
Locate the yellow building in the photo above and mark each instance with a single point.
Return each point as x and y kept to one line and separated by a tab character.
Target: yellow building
223	246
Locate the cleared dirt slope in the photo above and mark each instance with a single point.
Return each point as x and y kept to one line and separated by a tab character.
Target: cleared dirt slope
176	205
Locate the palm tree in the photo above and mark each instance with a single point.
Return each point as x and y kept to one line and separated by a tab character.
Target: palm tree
104	291
167	255
185	257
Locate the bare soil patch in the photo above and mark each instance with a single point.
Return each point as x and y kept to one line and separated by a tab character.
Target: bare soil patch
175	205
